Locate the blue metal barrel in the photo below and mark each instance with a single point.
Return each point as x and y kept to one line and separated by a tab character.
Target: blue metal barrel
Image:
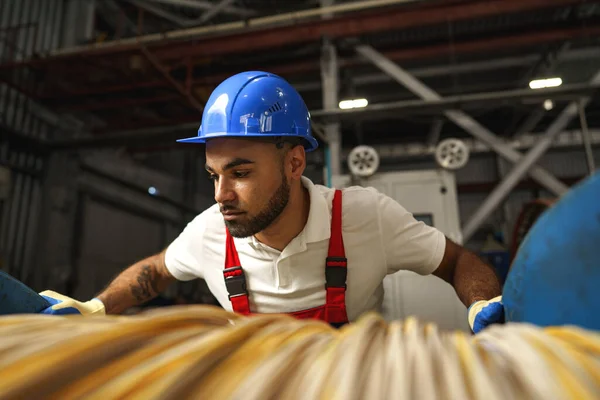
555	277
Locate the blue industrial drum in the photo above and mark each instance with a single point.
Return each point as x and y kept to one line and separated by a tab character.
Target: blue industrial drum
555	277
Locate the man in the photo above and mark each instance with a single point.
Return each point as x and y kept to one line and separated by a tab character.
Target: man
276	243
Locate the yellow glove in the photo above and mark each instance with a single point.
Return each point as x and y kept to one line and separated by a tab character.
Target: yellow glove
62	305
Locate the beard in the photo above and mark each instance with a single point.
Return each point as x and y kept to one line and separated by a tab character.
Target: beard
258	223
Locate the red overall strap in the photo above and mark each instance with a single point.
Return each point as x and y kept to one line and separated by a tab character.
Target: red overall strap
334	310
235	280
336	267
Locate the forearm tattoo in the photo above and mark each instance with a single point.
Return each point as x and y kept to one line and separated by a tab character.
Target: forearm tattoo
146	286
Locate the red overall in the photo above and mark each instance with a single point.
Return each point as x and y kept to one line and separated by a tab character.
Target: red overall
334	310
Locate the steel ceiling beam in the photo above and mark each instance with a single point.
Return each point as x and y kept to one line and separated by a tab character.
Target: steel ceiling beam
462	68
114	15
159	12
546	65
186	94
524	165
172	131
471	47
480	100
266	32
205	5
353	25
264	22
458	117
396	55
206	16
566	140
210	13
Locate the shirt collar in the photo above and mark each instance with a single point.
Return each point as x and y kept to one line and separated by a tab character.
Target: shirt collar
318	225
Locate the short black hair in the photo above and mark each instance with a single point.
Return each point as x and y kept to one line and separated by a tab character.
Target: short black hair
281	141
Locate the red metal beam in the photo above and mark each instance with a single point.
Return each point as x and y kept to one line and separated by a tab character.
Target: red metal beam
189	96
485	44
351	25
287	70
354	24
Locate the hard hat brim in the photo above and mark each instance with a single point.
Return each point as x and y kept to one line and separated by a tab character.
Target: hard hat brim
312	143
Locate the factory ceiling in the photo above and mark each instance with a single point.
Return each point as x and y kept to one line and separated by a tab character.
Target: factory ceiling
154	63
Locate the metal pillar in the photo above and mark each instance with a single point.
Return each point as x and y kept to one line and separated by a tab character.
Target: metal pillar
587	139
521	168
434	133
330	88
458	117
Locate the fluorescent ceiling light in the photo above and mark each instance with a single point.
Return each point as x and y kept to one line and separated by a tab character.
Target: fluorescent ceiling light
356	103
545	83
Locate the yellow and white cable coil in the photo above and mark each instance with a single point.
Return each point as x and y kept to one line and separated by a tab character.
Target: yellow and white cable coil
202	352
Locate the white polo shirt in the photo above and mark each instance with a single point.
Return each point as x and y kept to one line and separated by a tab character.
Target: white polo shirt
380	237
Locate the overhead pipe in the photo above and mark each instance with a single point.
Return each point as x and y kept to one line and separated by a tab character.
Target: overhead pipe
289	18
453	102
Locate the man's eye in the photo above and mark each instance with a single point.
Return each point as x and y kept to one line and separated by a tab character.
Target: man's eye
213	177
240	174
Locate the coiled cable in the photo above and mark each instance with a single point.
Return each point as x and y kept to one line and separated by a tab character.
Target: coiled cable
203	352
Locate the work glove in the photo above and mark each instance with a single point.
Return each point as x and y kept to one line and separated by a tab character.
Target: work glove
62	305
485	312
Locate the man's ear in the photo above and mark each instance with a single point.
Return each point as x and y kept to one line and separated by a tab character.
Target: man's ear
297	160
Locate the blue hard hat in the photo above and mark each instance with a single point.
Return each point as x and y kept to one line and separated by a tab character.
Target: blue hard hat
255	104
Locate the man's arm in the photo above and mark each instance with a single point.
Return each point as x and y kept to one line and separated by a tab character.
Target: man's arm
472	279
137	284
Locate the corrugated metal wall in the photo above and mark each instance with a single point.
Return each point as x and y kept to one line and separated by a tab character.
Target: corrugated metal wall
26	27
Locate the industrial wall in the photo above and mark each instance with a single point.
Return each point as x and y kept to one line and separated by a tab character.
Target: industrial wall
68	221
25	27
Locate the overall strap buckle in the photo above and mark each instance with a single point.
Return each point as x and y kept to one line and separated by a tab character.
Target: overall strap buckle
336	272
235	281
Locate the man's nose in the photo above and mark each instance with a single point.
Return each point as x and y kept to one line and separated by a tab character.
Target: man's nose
223	191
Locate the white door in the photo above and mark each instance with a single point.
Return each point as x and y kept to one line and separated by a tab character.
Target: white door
431	197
